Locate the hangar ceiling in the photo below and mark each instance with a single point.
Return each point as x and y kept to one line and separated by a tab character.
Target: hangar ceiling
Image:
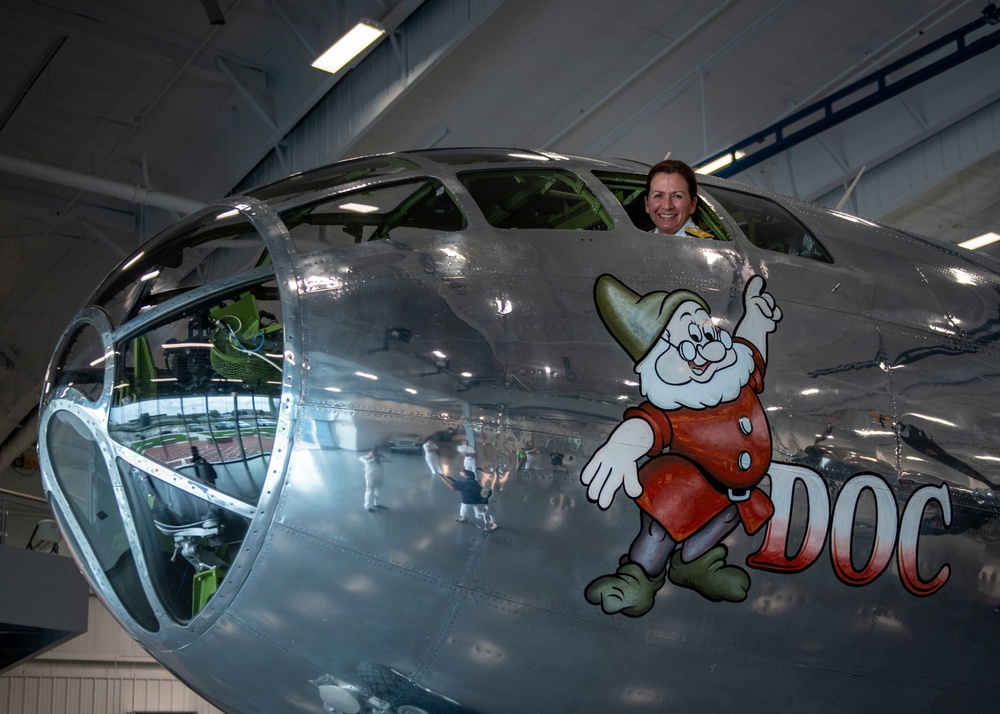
118	117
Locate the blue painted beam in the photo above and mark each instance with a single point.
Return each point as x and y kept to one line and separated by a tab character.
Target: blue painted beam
880	85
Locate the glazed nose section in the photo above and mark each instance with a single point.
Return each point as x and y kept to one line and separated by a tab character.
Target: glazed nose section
713	351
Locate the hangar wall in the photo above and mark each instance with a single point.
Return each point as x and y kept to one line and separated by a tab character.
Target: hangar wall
100	672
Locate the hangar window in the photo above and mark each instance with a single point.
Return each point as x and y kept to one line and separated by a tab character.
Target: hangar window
769	226
630	190
536	198
395	210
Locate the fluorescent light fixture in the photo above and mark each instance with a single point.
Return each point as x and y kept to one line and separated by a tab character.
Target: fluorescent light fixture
854	219
963	276
980	241
353	43
142	253
184	345
720	162
936	420
528	157
358	207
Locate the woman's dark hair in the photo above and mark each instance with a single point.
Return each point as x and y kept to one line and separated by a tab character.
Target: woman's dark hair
672	166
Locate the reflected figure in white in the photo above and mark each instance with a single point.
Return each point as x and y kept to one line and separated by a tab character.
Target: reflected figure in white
431	456
374	478
468	453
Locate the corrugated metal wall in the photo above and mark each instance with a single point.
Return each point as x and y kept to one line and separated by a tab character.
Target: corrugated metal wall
101	672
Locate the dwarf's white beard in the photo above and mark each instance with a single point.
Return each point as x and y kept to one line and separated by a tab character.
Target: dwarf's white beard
724	386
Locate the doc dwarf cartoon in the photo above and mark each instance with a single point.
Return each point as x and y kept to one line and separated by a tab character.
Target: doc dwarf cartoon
705	435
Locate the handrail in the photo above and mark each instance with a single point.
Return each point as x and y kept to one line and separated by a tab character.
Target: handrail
5	492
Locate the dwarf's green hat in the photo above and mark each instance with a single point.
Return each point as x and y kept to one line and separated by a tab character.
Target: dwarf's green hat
635	321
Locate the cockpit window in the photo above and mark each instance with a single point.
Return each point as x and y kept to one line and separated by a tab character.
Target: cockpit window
536	198
769	226
630	190
394	210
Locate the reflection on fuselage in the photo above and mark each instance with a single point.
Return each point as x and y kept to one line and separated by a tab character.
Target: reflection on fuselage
260	439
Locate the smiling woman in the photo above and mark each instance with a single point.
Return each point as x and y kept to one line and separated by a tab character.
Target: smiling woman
630	190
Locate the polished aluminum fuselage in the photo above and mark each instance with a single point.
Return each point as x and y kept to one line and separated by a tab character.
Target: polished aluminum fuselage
883	369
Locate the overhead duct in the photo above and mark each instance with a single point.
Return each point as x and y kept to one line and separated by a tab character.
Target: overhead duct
64	177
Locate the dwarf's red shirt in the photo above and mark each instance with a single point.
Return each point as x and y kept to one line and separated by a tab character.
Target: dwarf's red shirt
717	456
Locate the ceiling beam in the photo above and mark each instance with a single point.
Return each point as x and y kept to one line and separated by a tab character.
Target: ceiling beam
871	90
133	40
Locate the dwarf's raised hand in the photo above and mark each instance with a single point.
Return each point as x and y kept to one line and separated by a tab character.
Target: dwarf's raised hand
760	315
755	300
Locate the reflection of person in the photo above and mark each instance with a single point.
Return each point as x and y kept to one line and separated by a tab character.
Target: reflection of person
531	458
556	459
672	197
431	456
374	478
522	458
474	496
469	452
202	469
704	432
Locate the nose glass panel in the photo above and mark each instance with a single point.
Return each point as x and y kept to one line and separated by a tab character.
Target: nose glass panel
199	392
189	542
195	405
83	478
81	365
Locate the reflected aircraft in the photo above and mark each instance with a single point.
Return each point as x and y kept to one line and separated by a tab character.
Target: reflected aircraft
207	417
